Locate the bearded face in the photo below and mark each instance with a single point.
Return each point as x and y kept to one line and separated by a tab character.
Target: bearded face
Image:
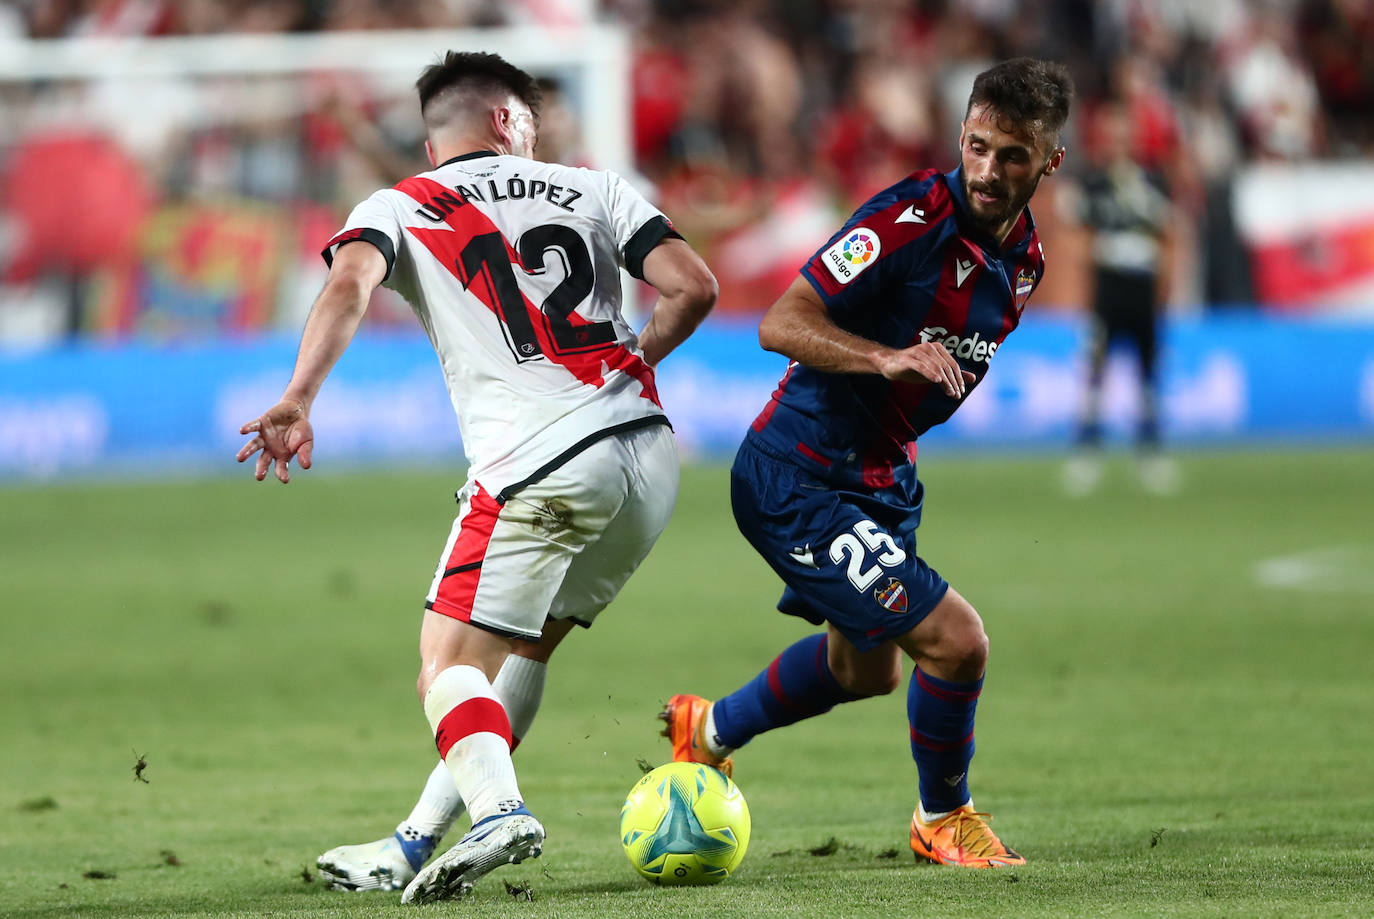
1003	164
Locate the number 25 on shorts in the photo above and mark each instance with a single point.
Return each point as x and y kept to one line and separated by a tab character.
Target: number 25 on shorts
852	549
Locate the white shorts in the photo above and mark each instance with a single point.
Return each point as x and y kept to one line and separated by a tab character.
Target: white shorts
563	546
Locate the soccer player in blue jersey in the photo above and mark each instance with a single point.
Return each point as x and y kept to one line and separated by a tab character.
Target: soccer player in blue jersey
889	326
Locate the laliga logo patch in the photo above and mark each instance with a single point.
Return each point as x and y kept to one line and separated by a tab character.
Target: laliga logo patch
859	248
852	254
893	596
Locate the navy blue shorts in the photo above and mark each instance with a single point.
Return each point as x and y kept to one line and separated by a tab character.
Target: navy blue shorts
847	557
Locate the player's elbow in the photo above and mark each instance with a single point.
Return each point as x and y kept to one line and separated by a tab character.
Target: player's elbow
699	291
681	278
792	315
351	282
346	293
772	335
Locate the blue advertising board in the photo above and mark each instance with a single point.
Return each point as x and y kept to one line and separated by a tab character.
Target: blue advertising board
94	410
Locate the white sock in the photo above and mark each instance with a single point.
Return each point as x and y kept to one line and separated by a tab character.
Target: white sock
520	687
927	817
466	716
439	805
709	729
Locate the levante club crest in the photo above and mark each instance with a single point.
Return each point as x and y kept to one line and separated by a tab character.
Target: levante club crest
893	596
1025	283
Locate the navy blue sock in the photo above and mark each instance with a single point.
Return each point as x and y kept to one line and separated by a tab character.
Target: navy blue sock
941	718
797	685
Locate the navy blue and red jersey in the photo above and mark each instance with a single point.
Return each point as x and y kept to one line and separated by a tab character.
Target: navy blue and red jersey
909	266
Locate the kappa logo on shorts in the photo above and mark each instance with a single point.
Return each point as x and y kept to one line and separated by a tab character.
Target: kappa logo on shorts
893	596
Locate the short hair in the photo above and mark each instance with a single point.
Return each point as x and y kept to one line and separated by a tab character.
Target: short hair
1026	91
479	73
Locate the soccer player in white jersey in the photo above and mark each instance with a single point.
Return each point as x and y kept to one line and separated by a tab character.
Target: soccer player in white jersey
512	267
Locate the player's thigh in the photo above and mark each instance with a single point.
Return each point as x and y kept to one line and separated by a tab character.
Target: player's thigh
505	562
650	460
446	641
846	558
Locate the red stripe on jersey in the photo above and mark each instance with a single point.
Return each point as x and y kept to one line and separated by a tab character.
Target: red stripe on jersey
877	472
898	436
761	421
895	225
456	592
481	715
810	454
467	222
965	264
949	311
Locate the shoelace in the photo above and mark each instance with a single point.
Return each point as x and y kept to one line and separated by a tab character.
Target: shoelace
973	835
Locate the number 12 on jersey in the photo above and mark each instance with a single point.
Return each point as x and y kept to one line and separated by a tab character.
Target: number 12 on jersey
485	256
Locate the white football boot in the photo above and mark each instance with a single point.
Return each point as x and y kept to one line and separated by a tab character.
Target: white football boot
387	864
501	839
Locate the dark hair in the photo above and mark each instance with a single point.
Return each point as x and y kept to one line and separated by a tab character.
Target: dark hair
480	72
1026	91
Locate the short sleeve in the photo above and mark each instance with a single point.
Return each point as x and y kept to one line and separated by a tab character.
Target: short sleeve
885	243
373	221
637	225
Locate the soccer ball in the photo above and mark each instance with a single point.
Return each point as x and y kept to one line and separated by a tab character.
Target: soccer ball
685	823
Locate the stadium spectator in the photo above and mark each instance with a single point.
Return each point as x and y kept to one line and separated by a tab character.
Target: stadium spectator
573	467
766	98
1337	37
1273	90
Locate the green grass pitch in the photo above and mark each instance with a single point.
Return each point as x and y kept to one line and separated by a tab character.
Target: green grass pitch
1177	719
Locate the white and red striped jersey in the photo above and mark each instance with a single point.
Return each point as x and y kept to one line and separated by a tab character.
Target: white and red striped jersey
512	267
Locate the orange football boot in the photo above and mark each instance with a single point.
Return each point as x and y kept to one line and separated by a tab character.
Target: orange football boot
963	839
686	728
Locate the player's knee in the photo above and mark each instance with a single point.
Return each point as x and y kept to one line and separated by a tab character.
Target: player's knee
967	651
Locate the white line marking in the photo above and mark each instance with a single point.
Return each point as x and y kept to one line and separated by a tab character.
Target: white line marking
1327	569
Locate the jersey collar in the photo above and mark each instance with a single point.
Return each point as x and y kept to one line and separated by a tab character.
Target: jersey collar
1018	240
466	156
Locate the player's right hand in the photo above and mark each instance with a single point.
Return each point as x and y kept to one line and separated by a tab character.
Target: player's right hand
283	431
928	362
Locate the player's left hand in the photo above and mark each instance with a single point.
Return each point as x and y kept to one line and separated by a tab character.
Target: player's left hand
283	431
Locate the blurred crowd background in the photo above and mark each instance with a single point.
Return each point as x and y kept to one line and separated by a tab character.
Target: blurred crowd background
153	210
